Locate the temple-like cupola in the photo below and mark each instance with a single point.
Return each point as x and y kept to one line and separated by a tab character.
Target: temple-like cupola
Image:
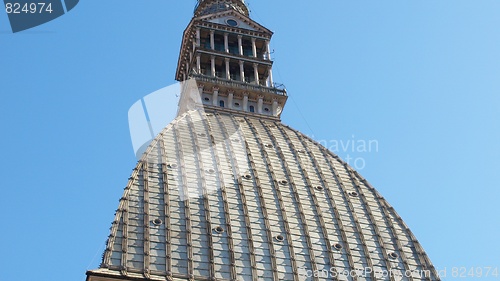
229	56
205	7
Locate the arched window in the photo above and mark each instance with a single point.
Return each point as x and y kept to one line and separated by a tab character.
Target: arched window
221	103
252	108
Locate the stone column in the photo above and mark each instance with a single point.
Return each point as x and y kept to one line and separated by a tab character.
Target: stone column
275	107
215	96
256	73
240	44
270	80
213	66
230	100
242	71
212	39
260	102
245	101
198	37
254	47
226	42
198	64
268	47
228	73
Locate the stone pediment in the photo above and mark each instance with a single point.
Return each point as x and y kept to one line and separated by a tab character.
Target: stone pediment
235	19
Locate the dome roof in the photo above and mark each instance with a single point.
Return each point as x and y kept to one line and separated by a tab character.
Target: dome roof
219	196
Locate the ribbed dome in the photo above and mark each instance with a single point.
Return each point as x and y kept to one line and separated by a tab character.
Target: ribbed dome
225	197
206	7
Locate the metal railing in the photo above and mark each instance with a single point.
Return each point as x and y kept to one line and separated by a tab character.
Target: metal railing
277	88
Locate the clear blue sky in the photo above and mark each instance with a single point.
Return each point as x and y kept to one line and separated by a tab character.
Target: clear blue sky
422	78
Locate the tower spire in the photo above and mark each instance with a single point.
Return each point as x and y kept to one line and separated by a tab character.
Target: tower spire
212	6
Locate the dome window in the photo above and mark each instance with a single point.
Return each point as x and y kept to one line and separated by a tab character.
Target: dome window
173	166
157	222
279	238
393	256
219	229
269	145
353	194
206	99
284	182
337	247
247	176
319	187
210	171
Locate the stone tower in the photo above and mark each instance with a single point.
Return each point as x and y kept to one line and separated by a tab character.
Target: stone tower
228	192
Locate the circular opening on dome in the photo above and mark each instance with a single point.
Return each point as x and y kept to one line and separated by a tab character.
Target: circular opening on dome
271	126
393	256
337	247
207	99
247	176
280	238
210	171
236	104
269	145
266	109
301	151
173	165
202	135
219	229
319	187
209	114
236	140
157	222
353	194
232	22
283	182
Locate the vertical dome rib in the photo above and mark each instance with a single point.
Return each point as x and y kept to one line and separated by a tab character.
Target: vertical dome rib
305	257
286	270
240	221
261	204
163	177
202	261
315	225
